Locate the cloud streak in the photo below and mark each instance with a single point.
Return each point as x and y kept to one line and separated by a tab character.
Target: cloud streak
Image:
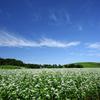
94	45
68	18
59	17
8	40
53	17
54	43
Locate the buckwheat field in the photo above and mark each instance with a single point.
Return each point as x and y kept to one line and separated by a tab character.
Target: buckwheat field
50	84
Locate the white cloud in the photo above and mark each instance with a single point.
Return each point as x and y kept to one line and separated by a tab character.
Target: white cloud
54	43
9	40
94	45
6	39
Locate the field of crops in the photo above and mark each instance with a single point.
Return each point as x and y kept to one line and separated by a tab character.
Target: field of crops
50	84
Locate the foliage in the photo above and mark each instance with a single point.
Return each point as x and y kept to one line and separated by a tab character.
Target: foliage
15	62
9	61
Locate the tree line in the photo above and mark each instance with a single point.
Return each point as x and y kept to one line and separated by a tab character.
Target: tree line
19	63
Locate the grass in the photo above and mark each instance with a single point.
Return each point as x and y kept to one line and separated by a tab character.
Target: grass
89	64
9	67
50	84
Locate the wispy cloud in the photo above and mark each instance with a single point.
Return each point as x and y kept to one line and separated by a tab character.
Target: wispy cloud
53	17
59	17
54	43
80	28
94	45
68	18
6	39
94	54
85	54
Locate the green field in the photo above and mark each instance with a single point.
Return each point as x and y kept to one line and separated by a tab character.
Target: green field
84	65
9	67
89	64
50	84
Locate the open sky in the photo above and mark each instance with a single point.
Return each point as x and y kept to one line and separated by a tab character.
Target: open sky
50	31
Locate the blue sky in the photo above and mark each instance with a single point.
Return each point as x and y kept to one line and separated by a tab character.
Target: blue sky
50	31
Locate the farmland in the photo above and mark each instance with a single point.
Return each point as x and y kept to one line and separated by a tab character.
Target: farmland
50	84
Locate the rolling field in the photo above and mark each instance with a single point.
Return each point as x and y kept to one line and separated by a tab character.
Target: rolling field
50	84
89	64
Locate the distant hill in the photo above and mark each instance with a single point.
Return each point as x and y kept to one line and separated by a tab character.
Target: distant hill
89	64
8	63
